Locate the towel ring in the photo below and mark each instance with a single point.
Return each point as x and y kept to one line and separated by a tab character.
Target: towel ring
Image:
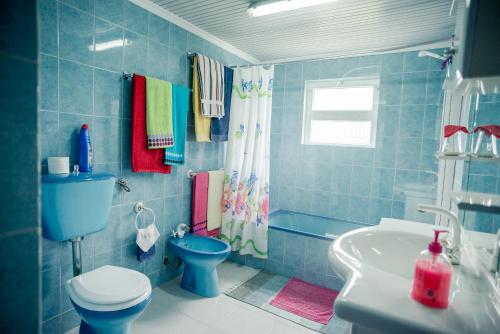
140	208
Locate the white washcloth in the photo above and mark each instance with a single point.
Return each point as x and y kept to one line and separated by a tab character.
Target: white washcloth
146	237
211	86
214	205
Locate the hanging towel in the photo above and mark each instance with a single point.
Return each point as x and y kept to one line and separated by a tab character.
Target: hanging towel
214	207
211	82
180	106
214	233
201	124
143	160
220	126
200	201
159	113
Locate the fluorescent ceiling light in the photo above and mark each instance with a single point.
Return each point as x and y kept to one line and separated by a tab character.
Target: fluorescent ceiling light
271	7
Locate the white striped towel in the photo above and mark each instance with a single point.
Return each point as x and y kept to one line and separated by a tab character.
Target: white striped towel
211	85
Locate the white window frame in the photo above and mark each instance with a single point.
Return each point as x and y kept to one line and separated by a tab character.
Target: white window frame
340	115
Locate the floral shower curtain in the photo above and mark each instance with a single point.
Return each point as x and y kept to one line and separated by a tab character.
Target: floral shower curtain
246	175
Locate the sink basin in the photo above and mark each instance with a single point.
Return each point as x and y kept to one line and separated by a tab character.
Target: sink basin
382	250
377	264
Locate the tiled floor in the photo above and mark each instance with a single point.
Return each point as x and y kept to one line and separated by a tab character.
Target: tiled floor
176	311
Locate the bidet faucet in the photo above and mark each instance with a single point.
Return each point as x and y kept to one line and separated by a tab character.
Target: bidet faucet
453	248
180	231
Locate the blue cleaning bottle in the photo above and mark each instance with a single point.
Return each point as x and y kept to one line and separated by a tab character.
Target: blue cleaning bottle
85	158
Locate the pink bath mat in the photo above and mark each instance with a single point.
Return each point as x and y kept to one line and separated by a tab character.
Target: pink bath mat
306	300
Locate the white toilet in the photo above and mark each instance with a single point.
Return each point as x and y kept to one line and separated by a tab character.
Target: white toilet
109	298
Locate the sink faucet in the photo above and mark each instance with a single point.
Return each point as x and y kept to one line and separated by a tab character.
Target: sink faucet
180	231
453	248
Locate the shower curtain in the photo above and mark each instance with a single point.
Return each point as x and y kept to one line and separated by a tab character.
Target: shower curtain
246	174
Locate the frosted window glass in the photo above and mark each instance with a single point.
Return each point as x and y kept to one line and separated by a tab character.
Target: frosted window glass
340	132
350	98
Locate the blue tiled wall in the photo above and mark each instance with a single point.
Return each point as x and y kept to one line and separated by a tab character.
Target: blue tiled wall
19	182
483	176
80	85
360	184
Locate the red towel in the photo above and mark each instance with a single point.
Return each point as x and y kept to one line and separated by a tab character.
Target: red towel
143	160
200	202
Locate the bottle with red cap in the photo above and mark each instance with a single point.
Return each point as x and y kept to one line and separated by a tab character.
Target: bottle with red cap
432	280
85	155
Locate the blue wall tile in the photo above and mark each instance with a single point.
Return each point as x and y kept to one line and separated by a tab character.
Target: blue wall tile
412	120
178	38
392	63
71	100
108	45
85	5
158	29
413	83
48	26
293	71
311	70
107	93
414	63
111	10
48	83
135	18
49	125
76	35
135	54
158	60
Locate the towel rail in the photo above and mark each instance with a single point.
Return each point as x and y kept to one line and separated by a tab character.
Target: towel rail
191	173
126	76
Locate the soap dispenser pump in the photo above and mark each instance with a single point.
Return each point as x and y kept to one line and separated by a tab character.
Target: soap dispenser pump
431	283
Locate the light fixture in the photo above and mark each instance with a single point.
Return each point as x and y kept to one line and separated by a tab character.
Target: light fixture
262	8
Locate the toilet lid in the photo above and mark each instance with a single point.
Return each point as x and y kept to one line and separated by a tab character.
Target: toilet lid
110	285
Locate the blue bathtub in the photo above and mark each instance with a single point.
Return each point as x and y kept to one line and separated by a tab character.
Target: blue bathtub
298	247
310	225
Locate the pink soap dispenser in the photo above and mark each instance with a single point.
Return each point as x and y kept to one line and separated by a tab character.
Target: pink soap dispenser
431	283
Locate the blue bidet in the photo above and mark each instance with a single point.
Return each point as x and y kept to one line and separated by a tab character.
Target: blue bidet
200	255
109	299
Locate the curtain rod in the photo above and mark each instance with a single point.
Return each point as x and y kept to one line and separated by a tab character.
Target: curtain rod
192	54
440	43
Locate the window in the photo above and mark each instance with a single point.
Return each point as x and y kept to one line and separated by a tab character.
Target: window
341	112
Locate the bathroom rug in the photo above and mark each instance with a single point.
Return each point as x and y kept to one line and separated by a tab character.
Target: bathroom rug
263	288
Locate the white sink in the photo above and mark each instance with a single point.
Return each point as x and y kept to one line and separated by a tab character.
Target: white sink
378	263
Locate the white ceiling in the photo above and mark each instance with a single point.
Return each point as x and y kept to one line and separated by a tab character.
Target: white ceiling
341	28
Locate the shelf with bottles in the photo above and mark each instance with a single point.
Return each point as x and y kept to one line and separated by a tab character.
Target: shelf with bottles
457	140
475	201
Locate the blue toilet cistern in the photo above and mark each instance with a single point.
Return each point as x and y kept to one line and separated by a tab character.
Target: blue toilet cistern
200	255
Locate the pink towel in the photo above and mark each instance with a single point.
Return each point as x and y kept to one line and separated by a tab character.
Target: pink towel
307	300
214	233
200	202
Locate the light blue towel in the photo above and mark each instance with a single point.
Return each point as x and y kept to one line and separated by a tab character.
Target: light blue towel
180	106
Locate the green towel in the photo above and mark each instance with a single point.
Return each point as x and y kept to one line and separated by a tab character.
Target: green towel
159	113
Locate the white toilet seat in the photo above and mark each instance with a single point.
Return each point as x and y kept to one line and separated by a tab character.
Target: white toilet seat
109	288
